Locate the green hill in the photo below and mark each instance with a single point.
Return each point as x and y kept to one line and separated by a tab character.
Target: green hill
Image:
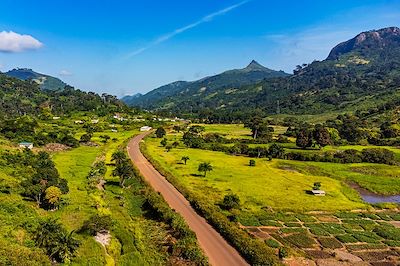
45	82
19	97
227	80
358	74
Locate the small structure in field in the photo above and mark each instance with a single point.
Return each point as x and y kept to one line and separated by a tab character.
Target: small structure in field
25	144
318	192
145	128
78	122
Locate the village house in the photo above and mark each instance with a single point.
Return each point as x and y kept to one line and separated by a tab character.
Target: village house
24	144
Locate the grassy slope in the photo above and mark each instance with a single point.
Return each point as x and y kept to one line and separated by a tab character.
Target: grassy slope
138	235
263	185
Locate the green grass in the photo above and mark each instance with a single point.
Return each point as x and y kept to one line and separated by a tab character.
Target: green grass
264	185
377	178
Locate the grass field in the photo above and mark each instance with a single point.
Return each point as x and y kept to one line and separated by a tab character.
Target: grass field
265	185
236	130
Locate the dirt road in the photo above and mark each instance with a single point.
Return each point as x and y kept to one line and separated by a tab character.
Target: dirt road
215	247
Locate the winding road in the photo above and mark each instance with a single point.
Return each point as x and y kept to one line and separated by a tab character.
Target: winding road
216	248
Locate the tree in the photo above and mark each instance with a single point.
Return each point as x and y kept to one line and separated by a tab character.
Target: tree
124	171
118	157
86	137
317	186
205	167
163	142
105	138
252	163
97	223
230	201
160	132
123	167
53	196
276	151
185	159
55	240
322	136
304	138
256	125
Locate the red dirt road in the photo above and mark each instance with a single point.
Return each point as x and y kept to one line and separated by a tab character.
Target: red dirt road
218	251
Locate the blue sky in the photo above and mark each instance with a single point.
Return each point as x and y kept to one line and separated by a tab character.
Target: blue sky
125	47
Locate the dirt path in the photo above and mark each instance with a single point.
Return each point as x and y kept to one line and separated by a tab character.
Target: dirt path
215	247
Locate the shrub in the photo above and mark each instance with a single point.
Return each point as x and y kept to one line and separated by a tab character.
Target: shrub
252	163
230	201
378	155
160	132
97	223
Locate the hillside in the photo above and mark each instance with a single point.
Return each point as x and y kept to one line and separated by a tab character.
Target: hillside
230	79
19	97
45	82
358	74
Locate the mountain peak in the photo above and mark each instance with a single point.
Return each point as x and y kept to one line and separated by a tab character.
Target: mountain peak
254	65
368	41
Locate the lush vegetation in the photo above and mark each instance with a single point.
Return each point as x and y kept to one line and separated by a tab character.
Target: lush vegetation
260	191
361	77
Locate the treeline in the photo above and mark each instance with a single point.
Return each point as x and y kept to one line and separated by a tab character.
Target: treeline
26	128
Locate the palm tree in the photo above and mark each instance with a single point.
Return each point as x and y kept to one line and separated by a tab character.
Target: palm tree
205	167
118	157
64	249
185	159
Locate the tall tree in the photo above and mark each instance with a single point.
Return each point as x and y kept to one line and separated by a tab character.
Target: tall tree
205	167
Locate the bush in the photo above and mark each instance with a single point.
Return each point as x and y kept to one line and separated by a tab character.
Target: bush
378	155
97	223
252	163
230	201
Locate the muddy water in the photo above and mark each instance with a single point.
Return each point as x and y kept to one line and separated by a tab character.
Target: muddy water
371	197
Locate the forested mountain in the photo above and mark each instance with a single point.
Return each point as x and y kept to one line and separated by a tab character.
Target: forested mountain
254	72
358	74
19	97
45	82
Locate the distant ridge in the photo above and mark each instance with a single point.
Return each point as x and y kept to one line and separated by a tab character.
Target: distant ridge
45	82
252	73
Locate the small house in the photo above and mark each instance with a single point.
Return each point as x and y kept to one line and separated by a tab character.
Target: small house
318	192
24	144
145	128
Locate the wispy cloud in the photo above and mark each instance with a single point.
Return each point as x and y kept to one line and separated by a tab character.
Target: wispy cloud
11	42
65	73
172	34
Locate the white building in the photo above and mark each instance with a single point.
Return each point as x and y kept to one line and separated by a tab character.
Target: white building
145	128
24	144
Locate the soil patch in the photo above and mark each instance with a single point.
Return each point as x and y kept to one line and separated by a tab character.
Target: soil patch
56	147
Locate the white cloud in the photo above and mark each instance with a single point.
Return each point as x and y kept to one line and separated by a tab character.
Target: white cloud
11	42
65	73
172	34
